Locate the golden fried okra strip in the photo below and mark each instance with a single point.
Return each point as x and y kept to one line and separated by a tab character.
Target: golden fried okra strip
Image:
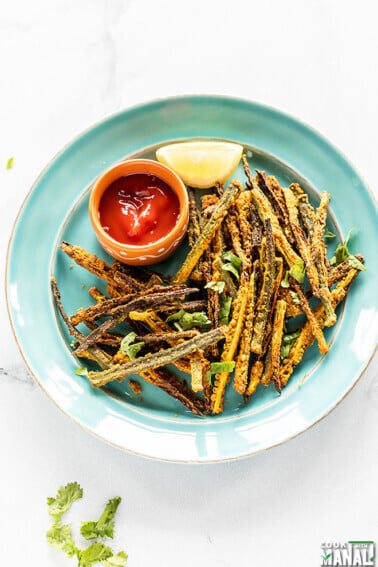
157	325
265	297
196	370
292	309
96	294
208	232
278	326
265	211
306	210
319	256
302	242
242	362
234	330
243	207
278	269
339	272
306	308
157	359
268	367
306	337
256	373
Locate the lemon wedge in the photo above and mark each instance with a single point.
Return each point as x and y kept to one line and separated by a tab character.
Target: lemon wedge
201	164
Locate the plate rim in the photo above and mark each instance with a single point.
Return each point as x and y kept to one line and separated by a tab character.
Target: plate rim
135	107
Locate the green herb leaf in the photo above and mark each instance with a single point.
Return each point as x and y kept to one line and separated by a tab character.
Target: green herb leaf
82	371
295	297
59	536
341	252
104	527
231	268
216	286
118	560
234	263
66	495
93	554
287	342
298	271
127	348
355	263
184	321
329	234
231	257
218	367
285	281
10	163
224	310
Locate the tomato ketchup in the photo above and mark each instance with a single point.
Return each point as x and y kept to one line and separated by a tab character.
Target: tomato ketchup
138	209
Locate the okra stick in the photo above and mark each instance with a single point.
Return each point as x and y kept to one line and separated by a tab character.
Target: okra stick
207	233
157	359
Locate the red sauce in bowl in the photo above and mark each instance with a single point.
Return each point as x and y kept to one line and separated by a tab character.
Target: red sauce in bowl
138	209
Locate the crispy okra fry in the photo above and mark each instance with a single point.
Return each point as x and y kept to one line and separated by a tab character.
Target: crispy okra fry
255	377
264	300
257	228
292	309
158	359
225	277
163	379
302	242
268	367
196	370
306	210
208	232
306	337
265	211
319	257
194	229
242	362
90	262
278	270
278	326
339	272
234	330
96	294
189	306
243	207
267	188
120	313
169	337
95	352
157	325
127	282
306	308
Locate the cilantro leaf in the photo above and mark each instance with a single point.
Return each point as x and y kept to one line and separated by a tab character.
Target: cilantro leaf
66	495
329	234
59	536
341	252
93	554
295	297
234	263
104	527
231	268
216	286
118	560
224	310
231	257
82	371
355	263
285	281
287	342
184	321
10	163
218	367
127	348
298	271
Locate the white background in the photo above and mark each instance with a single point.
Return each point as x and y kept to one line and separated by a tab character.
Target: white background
66	64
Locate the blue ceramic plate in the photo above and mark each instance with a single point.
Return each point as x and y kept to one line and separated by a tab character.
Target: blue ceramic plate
157	426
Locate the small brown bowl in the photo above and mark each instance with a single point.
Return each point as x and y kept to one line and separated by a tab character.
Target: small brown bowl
149	253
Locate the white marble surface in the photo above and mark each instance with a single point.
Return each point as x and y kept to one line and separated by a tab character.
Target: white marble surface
66	64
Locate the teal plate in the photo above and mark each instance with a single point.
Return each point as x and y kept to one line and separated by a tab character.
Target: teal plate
157	426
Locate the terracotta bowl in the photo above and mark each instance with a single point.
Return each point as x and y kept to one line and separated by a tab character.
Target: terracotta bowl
148	253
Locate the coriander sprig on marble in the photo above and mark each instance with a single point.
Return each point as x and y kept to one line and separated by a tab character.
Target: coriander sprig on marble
60	536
